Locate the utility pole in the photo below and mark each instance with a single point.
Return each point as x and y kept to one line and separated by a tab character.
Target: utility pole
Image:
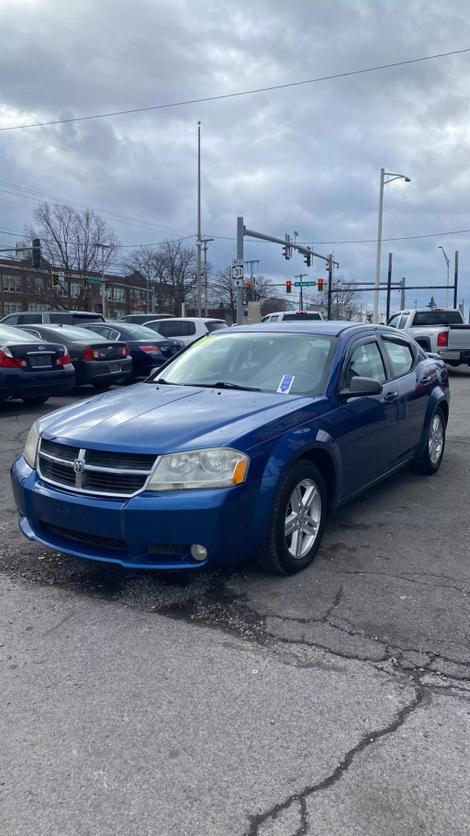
198	242
456	276
103	247
389	286
205	242
403	294
301	298
329	270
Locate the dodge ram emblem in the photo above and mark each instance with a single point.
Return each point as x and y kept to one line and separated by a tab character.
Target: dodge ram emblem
78	466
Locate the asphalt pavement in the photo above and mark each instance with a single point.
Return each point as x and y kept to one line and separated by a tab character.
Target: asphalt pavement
332	703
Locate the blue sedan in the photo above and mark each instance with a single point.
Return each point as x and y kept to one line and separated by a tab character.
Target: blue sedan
237	447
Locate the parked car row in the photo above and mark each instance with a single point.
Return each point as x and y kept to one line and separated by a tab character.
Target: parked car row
98	353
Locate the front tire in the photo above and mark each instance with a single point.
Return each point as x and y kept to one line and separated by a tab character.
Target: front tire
430	459
297	521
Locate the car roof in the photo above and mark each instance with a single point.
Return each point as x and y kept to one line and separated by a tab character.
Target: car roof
191	319
331	328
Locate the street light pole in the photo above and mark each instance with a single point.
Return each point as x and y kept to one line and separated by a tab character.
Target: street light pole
383	182
198	243
379	246
447	260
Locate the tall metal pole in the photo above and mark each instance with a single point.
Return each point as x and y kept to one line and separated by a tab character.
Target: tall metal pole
240	234
330	283
198	243
456	276
403	294
379	246
389	286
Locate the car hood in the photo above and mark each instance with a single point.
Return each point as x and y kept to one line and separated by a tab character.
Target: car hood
148	418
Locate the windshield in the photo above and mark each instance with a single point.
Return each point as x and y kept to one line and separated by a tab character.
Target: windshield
15	335
295	317
70	333
437	318
275	362
140	332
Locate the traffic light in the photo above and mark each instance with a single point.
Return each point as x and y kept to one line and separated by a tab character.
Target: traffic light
55	279
320	285
308	259
288	286
36	253
286	251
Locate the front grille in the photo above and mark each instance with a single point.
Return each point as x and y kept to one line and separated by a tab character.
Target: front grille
59	451
111	543
57	472
94	471
127	461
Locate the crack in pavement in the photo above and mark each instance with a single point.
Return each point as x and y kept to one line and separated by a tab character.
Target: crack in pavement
368	740
404	578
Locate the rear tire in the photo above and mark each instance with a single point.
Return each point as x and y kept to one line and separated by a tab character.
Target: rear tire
35	400
430	459
297	521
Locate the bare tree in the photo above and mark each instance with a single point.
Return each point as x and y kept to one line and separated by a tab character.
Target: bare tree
345	301
70	243
169	269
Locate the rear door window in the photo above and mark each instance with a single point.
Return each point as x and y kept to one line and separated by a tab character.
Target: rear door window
400	356
170	328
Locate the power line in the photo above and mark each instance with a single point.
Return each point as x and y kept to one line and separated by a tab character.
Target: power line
17	190
239	93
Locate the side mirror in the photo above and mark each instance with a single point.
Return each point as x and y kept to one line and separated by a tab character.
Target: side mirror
361	386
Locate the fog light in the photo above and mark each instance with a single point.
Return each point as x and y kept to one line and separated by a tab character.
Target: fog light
198	552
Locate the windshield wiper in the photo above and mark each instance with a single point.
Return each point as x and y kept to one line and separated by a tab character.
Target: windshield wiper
223	384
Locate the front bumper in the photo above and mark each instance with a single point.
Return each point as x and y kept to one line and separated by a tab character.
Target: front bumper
16	383
148	531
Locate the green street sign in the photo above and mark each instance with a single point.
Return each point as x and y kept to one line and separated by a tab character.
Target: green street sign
304	284
93	280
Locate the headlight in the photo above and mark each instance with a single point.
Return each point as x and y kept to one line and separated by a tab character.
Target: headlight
220	467
31	447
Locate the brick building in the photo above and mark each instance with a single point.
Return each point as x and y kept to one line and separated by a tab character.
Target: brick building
24	288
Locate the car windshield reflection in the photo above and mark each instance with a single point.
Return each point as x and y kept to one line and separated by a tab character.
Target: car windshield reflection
286	363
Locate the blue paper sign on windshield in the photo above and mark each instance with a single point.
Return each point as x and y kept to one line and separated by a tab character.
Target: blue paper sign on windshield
286	383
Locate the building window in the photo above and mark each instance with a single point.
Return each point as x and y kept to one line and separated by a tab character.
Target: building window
11	307
74	290
119	294
12	284
38	306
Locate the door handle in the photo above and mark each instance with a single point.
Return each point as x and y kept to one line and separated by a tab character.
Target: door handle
391	396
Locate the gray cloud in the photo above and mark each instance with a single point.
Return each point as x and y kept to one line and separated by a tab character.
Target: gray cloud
307	158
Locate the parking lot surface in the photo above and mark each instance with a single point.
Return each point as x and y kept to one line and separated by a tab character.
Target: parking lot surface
336	701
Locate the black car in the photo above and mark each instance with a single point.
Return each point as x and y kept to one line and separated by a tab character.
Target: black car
148	349
32	368
96	361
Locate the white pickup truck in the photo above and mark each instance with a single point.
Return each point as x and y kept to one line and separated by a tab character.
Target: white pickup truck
441	331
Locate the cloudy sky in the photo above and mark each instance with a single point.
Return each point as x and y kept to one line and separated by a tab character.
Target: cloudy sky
306	158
